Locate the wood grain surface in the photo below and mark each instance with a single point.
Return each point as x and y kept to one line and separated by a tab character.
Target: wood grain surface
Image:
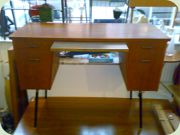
90	32
90	116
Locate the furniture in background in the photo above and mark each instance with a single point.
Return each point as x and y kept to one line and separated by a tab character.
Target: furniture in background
175	91
174	88
174	58
153	3
167	118
37	65
109	20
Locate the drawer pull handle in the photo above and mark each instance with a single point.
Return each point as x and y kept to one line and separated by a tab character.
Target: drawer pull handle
34	60
146	47
32	46
146	61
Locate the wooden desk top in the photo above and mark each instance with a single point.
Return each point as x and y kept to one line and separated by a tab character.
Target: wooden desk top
90	32
173	58
175	89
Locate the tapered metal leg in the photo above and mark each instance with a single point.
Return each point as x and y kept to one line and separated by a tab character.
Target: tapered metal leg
36	108
45	94
131	94
140	110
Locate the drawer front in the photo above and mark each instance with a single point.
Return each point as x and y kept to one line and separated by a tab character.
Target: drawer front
34	69
144	76
145	53
29	44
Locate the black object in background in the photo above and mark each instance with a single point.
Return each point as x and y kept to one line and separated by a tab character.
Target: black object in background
7	122
117	13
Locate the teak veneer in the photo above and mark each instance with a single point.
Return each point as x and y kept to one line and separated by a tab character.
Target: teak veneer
36	65
141	66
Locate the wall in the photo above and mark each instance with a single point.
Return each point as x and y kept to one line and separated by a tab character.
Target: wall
4	71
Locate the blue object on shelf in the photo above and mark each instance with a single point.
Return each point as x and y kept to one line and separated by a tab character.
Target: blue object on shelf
104	58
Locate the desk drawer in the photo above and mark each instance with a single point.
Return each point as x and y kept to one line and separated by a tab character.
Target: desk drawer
34	71
142	53
29	44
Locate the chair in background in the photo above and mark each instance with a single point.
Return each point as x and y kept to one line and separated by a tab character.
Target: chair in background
5	24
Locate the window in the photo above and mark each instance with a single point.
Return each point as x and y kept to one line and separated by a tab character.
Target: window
16	12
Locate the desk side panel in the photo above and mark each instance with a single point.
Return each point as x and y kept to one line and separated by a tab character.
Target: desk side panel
18	98
55	65
123	65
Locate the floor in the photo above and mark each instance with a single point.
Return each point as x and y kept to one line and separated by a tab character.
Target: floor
90	116
94	81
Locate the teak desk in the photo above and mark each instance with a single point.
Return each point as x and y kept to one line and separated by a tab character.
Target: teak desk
37	65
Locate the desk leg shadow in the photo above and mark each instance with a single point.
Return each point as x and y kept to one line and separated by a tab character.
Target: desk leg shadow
36	106
45	94
140	110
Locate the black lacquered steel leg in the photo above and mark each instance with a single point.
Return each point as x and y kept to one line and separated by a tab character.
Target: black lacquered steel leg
36	108
45	94
140	110
131	94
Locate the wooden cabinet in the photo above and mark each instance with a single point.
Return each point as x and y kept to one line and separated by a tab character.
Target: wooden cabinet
144	65
34	63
